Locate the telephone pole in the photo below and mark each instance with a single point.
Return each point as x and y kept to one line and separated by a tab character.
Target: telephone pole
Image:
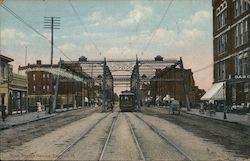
52	23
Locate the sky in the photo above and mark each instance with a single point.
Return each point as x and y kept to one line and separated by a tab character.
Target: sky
118	29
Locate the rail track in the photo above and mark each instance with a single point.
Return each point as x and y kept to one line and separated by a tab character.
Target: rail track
59	156
135	138
165	138
108	138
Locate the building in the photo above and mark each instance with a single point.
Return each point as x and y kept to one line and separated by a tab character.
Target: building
18	88
231	41
42	85
162	85
13	87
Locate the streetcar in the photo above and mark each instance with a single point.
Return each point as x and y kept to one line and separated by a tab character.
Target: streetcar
127	101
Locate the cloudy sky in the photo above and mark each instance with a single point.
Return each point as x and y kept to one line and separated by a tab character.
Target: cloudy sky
112	29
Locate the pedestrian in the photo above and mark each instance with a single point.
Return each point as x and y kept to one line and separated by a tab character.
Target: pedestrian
3	108
111	106
205	106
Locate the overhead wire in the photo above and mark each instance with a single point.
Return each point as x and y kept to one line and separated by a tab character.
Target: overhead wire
136	30
203	68
32	28
157	27
84	27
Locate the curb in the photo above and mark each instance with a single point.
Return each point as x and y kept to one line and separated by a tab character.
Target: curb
23	123
216	119
211	118
42	118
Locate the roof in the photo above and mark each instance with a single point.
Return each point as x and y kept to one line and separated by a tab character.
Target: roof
5	58
216	92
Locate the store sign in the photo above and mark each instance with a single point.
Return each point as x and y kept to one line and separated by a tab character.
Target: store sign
242	76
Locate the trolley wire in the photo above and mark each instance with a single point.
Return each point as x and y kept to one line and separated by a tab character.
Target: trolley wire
32	28
203	68
84	27
157	27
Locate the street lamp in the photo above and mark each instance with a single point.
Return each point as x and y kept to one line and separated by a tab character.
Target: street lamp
224	97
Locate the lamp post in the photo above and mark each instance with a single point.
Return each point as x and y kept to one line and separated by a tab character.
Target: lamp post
224	97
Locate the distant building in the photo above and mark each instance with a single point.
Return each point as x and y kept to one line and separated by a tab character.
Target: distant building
41	86
164	86
231	41
13	87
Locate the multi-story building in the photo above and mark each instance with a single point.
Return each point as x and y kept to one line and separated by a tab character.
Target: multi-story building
231	41
42	84
13	87
5	72
163	85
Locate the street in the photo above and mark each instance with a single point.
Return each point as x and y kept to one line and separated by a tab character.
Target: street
146	135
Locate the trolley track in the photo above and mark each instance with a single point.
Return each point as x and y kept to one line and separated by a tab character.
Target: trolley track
59	156
165	138
108	138
135	138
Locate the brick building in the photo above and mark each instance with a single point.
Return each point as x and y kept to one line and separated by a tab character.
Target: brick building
41	86
174	89
231	20
13	87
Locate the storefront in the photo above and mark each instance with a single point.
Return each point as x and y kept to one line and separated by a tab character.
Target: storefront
238	94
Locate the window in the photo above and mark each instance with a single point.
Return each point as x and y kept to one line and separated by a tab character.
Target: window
43	88
246	87
44	76
222	19
233	92
47	87
240	6
222	43
2	65
47	75
34	88
242	64
34	77
241	33
222	70
245	5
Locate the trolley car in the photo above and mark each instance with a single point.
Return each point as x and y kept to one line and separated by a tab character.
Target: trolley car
127	101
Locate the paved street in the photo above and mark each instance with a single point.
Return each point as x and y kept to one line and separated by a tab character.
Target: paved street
149	135
164	80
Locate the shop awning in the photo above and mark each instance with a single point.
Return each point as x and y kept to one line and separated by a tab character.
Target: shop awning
216	92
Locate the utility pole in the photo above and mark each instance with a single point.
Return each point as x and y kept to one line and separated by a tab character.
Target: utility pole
185	84
104	86
56	90
52	23
137	75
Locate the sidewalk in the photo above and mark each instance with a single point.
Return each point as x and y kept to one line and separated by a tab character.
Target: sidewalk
18	119
235	118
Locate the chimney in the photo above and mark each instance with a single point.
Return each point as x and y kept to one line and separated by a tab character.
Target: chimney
38	62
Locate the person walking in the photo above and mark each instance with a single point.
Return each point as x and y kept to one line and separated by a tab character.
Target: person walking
112	107
3	108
